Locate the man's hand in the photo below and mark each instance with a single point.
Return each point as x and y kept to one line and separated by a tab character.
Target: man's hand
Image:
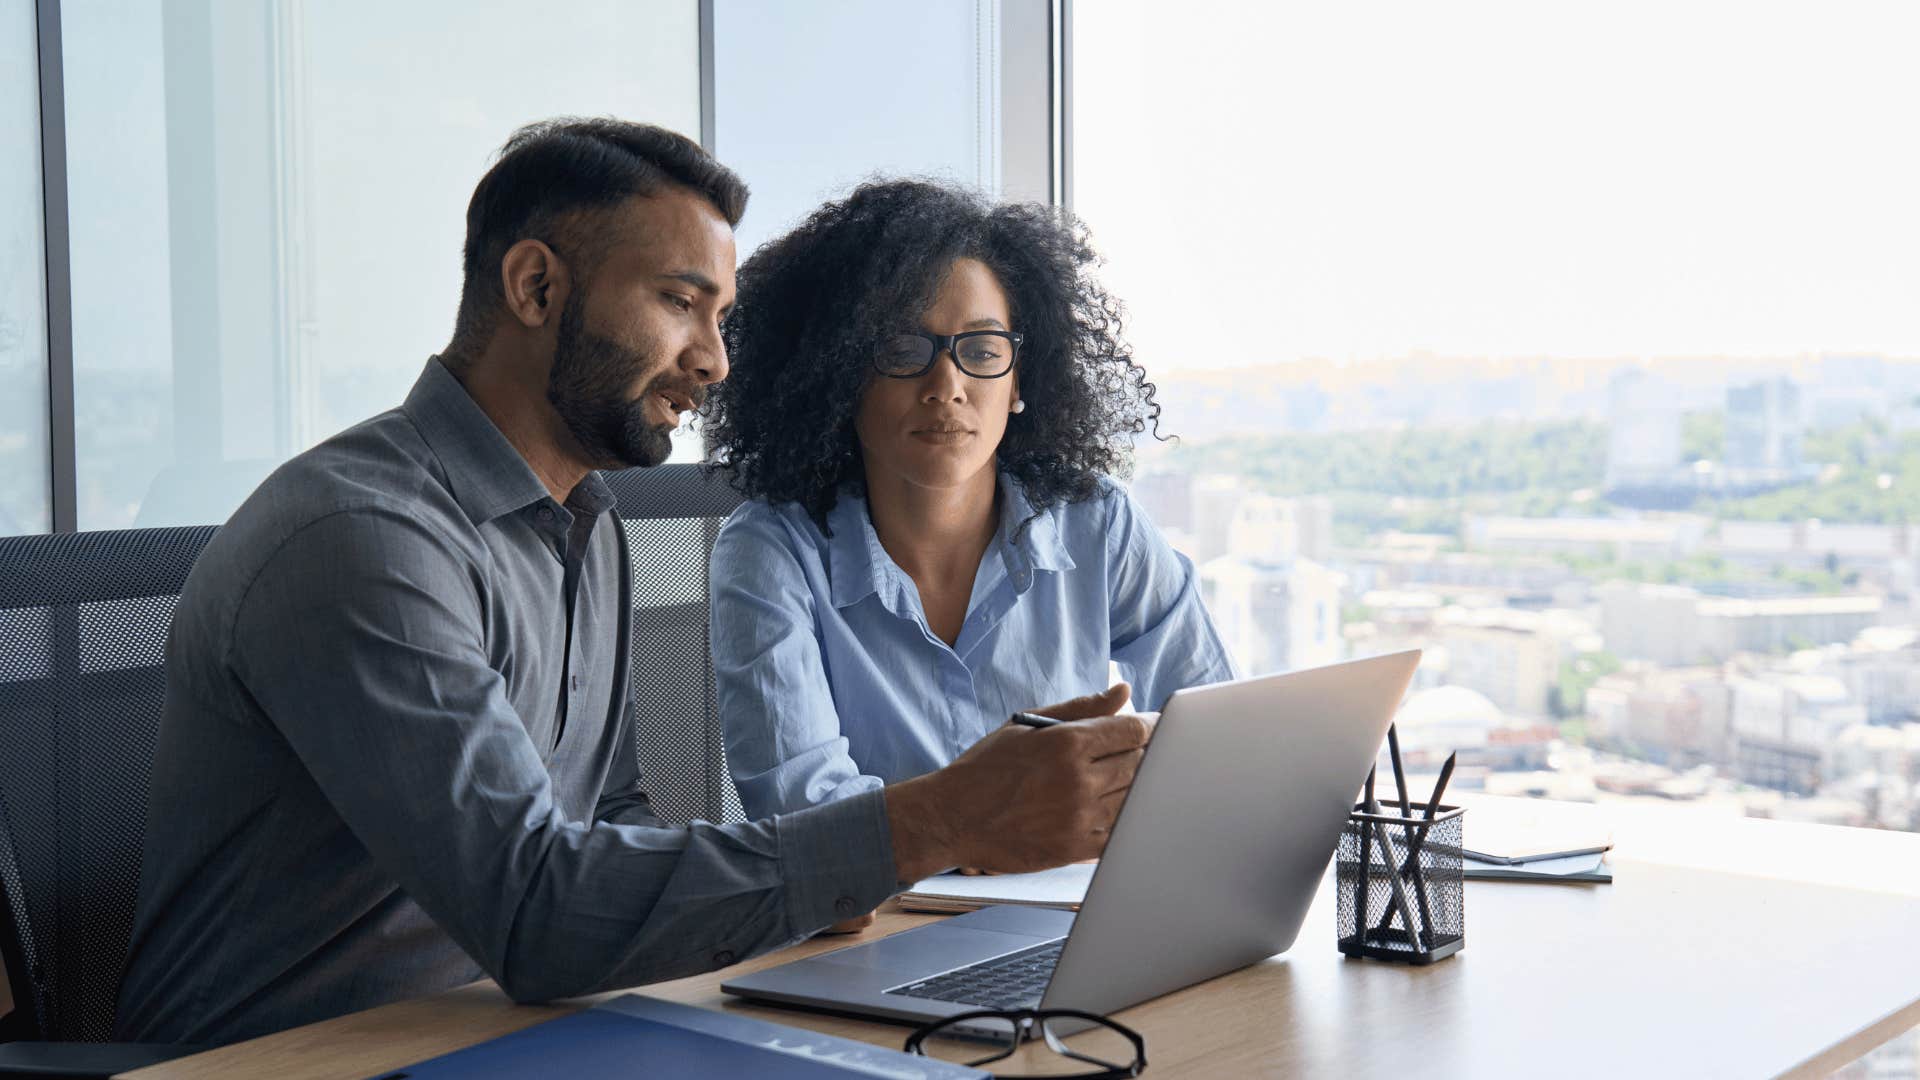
1022	798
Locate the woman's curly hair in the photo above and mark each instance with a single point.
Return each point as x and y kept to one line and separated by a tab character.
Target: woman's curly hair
814	303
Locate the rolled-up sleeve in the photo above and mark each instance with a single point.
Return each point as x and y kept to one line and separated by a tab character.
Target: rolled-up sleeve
785	748
362	638
1163	639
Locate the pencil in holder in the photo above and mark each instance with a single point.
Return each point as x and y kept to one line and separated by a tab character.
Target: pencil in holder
1400	886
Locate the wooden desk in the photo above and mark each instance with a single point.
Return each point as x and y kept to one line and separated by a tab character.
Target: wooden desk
1671	970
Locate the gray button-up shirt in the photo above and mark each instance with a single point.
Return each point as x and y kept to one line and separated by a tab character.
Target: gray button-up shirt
396	756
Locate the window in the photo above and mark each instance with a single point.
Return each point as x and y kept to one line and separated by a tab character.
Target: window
268	203
806	108
1578	348
265	203
25	469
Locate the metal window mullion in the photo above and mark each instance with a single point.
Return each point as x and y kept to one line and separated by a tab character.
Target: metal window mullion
706	75
59	264
1062	56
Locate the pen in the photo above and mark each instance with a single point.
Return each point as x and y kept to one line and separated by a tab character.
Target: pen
1433	801
1399	773
1034	720
1419	840
1394	870
1440	787
1412	869
1409	868
1399	893
1366	863
1398	900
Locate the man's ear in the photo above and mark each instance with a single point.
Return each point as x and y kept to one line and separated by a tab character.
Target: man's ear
535	282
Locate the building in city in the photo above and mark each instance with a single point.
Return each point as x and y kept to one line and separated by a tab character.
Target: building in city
1666	536
1878	768
1420	561
1644	447
1782	726
1850	390
1447	719
1677	717
1274	525
1275	614
1512	656
1881	670
1676	626
1882	556
1764	429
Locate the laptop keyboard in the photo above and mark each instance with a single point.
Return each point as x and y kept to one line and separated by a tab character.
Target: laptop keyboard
1013	981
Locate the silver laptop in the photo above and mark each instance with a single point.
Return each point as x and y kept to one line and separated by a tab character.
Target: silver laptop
1213	862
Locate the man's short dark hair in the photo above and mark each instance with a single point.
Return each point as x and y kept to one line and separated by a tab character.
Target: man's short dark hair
550	178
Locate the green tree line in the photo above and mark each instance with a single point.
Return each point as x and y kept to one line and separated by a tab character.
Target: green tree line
1437	463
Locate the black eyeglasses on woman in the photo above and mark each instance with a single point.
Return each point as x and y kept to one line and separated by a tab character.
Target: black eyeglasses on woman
983	354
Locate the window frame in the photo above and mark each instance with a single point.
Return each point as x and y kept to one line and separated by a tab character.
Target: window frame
1035	36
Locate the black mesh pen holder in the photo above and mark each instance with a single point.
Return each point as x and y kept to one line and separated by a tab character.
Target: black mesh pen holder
1402	895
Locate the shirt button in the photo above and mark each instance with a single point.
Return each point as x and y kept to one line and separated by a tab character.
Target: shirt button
844	907
722	958
545	514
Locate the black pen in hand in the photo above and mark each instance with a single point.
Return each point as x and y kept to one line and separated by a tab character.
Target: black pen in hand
1034	720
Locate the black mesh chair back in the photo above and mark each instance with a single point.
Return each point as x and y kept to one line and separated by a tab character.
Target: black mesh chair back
83	628
671	514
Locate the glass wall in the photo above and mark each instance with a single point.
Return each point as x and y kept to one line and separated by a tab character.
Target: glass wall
805	108
25	471
266	202
1580	350
268	206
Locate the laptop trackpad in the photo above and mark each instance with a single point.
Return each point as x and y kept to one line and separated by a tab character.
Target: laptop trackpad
956	942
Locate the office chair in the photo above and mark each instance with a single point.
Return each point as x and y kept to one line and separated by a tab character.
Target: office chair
83	629
671	514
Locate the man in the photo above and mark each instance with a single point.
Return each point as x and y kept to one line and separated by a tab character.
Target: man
395	755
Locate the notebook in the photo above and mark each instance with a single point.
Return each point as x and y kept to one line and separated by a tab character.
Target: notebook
1589	867
633	1035
1517	833
1063	887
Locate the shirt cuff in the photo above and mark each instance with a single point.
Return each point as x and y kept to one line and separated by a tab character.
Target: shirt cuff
836	860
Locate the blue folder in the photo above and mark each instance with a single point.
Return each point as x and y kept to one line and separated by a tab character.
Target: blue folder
640	1036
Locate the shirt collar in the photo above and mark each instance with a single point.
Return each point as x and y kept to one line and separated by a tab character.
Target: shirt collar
592	496
1029	540
1033	535
487	475
855	559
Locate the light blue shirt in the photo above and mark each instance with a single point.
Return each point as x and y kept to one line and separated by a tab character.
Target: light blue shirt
831	683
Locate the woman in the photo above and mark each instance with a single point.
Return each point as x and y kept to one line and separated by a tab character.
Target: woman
928	393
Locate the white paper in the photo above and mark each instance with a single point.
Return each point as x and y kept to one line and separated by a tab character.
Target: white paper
1062	886
1533	832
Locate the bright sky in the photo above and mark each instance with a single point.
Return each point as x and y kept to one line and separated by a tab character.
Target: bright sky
1279	180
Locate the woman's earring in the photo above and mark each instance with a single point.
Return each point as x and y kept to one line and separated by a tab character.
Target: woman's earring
1019	405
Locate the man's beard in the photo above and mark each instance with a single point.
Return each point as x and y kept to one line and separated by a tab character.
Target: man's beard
588	386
